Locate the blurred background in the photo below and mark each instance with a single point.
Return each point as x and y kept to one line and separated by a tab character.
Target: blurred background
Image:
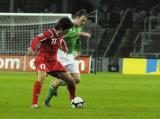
119	28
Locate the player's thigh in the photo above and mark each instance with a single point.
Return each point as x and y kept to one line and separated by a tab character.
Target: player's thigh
64	75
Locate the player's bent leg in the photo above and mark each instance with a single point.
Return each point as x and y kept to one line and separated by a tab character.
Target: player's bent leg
54	87
74	71
54	84
52	91
66	76
37	88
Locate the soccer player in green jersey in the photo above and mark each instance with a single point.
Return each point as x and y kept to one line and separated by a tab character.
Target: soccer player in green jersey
68	60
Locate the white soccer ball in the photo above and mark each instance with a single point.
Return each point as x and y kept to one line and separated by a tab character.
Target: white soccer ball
77	102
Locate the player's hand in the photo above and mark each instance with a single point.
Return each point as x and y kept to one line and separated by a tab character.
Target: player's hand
88	35
30	51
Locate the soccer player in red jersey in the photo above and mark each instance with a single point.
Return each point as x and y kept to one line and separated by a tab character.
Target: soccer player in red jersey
46	46
73	41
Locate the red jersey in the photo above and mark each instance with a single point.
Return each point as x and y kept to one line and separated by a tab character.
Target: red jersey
47	44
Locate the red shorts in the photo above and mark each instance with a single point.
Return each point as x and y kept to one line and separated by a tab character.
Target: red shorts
48	65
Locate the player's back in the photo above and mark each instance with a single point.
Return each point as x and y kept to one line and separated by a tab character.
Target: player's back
49	46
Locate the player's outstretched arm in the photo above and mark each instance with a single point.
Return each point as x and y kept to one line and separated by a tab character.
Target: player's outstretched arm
84	34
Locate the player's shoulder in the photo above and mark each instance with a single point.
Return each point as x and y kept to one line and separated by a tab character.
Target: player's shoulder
52	32
75	29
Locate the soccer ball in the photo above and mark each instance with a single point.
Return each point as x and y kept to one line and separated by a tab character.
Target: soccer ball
77	102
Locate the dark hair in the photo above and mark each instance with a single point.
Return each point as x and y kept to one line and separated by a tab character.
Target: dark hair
64	23
81	12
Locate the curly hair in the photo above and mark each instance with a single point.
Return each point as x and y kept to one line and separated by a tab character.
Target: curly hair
64	23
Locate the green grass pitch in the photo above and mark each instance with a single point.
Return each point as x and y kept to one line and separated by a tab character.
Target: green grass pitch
107	96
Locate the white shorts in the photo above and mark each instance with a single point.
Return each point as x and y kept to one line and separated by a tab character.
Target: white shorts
68	61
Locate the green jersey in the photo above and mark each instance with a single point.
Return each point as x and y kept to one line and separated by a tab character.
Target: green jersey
72	39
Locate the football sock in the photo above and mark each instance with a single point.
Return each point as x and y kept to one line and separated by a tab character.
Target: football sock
71	89
62	83
49	95
36	92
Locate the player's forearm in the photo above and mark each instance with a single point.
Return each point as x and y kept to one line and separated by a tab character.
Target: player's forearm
84	34
34	43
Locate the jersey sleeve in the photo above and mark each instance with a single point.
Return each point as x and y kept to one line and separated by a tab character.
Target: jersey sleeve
40	37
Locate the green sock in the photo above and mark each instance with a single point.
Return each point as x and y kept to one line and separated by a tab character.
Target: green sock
62	83
49	95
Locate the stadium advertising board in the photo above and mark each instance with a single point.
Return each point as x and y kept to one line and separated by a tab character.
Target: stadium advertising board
26	63
11	63
141	66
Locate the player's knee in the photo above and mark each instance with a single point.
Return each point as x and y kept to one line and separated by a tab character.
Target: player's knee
71	81
41	79
77	80
55	83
